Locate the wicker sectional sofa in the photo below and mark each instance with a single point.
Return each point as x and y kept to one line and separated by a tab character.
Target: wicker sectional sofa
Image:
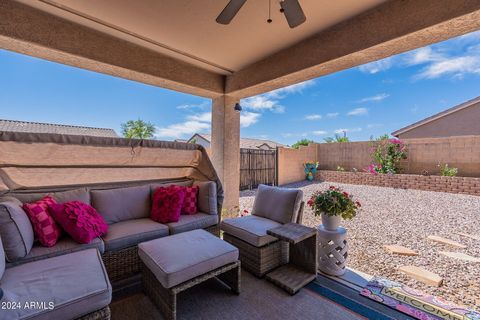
126	210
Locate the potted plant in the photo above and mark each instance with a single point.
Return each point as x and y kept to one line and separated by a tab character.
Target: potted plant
333	205
310	169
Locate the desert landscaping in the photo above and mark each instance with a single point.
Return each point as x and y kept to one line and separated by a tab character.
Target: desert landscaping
407	218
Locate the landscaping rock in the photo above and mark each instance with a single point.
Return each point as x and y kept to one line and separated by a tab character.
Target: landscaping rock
396	249
460	255
447	242
471	236
422	275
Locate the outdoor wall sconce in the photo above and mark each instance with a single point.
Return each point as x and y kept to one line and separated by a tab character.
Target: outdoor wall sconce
237	107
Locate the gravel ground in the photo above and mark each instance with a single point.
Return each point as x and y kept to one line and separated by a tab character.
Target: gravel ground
407	217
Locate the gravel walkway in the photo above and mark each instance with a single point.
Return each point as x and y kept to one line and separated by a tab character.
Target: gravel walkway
407	217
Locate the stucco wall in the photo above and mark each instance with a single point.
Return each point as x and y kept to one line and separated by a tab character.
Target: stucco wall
462	152
290	162
460	123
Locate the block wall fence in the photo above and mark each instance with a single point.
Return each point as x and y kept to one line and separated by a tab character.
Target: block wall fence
424	155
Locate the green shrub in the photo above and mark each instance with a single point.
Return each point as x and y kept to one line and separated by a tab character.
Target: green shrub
446	171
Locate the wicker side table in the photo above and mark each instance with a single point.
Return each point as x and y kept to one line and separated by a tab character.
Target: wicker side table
302	266
332	250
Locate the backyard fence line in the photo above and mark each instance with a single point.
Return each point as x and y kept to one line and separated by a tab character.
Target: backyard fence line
424	156
462	185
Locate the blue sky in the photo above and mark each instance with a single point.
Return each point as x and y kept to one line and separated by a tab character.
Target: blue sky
365	101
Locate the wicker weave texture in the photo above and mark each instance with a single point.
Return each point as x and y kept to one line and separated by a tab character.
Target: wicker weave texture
166	298
124	263
259	260
102	314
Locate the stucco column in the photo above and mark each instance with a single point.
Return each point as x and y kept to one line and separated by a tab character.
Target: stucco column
226	147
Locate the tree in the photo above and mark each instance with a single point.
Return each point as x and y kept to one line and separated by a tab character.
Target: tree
303	142
336	138
138	129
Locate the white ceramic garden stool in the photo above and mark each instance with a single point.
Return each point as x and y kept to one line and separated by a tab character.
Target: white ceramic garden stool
332	250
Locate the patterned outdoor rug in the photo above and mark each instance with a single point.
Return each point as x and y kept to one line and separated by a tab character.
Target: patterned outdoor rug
415	303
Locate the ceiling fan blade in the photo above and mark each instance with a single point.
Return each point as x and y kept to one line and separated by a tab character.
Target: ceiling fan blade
293	12
230	11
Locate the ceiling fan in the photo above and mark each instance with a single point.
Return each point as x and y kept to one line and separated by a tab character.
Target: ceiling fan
291	8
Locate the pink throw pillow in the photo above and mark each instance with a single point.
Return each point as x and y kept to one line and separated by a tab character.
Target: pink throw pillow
190	201
81	221
167	204
44	226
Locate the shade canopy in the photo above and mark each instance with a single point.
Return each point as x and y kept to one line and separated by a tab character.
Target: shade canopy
53	161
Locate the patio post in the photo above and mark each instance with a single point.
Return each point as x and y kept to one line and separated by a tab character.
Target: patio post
226	146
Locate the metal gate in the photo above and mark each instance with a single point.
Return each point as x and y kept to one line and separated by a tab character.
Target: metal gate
257	166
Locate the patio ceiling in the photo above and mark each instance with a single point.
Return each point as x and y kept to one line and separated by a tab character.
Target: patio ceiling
178	45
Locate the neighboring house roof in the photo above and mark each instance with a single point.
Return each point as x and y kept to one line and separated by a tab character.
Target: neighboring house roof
246	143
37	127
181	140
437	116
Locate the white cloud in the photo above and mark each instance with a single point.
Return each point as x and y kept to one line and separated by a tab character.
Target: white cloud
193	105
248	118
456	67
332	115
313	117
423	55
270	101
342	130
377	66
375	98
294	88
261	103
203	117
180	130
358	112
319	132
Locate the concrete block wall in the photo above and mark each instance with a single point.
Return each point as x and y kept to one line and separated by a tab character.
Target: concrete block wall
290	162
463	185
423	155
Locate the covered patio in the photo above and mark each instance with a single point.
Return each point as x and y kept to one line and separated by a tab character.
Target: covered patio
177	45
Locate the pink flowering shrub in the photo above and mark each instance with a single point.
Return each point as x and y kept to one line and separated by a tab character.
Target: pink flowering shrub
387	155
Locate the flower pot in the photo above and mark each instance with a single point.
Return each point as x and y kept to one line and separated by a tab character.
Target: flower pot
331	223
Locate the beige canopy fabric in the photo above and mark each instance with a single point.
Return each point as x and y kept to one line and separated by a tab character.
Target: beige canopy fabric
47	161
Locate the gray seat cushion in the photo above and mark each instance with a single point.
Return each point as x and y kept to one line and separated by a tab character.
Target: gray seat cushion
63	246
76	284
130	233
80	194
251	229
186	255
15	229
122	204
278	204
192	222
207	197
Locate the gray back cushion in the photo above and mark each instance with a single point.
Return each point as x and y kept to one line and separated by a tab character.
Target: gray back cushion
2	259
15	229
277	204
121	204
80	194
207	196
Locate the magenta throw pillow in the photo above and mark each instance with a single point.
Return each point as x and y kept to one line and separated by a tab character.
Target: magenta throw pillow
44	226
189	205
81	221
167	204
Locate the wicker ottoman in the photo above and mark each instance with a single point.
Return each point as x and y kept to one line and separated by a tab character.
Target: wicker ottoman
173	264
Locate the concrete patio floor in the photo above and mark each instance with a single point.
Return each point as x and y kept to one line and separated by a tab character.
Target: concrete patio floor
258	300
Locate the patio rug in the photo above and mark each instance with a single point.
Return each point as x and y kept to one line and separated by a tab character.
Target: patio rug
413	302
259	300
